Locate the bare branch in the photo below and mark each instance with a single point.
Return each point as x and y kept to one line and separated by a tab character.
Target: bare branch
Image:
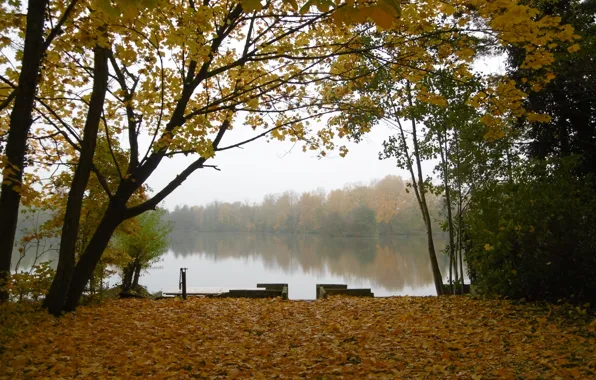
130	115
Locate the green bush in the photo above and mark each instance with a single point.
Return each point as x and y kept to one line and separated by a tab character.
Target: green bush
534	237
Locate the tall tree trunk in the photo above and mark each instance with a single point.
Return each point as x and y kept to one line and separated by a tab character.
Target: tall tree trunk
101	285
459	211
92	284
444	158
135	281
438	278
70	229
459	245
509	167
16	144
420	190
127	275
92	253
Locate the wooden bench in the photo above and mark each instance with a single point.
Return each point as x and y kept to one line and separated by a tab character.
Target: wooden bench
325	290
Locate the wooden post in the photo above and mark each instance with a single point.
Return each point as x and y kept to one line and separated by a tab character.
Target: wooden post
321	293
182	283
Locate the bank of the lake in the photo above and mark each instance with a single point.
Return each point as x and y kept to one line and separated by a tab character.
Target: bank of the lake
400	337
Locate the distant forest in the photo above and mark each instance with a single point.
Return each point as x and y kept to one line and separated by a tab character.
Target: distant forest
383	207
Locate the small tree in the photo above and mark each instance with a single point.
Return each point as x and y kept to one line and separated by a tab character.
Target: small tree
144	243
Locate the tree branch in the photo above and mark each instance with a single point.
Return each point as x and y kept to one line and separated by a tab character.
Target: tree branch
102	180
58	28
130	115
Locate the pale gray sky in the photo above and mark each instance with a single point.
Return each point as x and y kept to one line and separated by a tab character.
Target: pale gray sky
264	168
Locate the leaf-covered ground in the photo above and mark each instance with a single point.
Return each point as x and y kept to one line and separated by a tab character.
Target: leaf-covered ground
404	337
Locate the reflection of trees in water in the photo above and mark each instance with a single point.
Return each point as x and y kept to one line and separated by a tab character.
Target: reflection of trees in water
390	262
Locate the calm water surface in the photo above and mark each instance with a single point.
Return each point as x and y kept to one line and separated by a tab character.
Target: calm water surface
389	266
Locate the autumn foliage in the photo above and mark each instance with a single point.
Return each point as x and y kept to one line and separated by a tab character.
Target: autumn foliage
404	337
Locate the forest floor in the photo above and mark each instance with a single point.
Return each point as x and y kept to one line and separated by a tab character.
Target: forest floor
401	337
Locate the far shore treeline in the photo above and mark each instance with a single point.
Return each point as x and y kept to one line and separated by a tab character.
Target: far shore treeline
382	207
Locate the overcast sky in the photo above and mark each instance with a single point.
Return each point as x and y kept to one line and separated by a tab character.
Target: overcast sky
264	168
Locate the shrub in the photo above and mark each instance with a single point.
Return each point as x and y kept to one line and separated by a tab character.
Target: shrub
534	237
32	284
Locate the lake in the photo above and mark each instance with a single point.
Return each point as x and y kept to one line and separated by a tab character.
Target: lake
397	265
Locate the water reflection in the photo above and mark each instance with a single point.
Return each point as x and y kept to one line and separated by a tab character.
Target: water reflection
388	265
47	251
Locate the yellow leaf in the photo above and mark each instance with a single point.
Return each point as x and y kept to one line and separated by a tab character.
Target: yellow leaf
5	90
393	7
576	373
538	118
293	4
251	5
573	48
305	8
323	6
253	103
448	9
382	18
466	54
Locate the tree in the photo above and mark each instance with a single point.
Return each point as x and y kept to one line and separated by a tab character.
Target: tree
144	243
445	123
397	147
90	204
312	212
568	97
388	198
311	208
533	237
529	226
361	222
80	179
397	77
21	96
198	102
